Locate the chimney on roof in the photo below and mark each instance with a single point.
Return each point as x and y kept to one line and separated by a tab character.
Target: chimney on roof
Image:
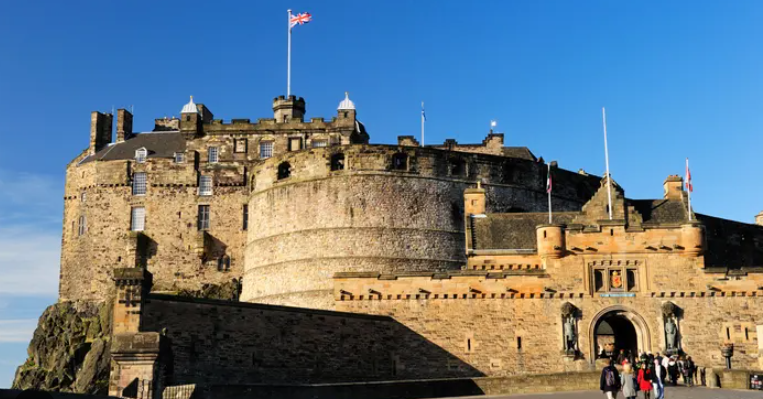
124	125
100	131
759	219
673	187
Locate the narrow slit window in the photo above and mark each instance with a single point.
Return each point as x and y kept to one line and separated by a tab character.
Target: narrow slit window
82	226
519	343
245	212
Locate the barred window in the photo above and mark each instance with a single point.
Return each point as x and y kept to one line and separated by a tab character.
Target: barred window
139	183
205	185
179	157
213	155
140	155
266	149
138	218
202	221
82	226
319	143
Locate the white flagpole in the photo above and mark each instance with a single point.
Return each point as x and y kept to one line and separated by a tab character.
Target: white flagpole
288	56
688	186
548	178
422	123
606	160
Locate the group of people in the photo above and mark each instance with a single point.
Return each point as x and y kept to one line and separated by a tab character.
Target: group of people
647	374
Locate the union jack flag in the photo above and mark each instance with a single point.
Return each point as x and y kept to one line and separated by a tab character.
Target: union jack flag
300	19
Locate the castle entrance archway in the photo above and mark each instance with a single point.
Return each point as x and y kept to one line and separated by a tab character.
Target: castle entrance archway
616	328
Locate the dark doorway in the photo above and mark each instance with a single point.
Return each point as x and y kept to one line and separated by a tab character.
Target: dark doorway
613	333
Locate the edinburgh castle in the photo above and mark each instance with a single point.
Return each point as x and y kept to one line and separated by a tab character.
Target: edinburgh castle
240	257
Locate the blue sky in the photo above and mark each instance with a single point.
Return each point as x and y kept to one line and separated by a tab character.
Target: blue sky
679	79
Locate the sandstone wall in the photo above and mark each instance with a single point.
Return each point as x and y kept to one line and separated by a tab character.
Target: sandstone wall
227	343
371	216
484	332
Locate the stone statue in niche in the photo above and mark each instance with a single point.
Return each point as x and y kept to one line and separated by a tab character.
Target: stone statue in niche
670	314
670	334
569	328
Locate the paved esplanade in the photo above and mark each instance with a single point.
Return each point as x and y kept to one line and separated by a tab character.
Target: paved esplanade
670	393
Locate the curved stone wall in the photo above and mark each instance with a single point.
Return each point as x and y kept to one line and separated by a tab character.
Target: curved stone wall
377	214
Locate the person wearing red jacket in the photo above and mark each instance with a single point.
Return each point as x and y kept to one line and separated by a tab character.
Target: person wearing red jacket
644	380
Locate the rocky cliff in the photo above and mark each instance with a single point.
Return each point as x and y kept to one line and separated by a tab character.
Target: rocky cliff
69	350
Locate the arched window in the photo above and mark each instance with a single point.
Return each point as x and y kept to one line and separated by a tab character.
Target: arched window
400	161
284	170
337	162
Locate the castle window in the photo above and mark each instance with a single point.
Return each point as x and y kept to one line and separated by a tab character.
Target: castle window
205	185
213	155
83	197
139	183
202	220
240	145
456	167
337	162
400	161
223	263
179	157
295	144
138	218
140	155
319	143
266	149
246	217
253	183
284	170
82	228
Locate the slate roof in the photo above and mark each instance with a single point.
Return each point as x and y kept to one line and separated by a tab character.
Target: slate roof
661	211
519	152
732	244
512	230
159	145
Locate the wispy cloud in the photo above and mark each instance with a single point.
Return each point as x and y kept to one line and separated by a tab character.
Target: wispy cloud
30	231
17	330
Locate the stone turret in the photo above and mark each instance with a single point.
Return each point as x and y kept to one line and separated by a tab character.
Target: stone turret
285	109
550	241
474	200
190	119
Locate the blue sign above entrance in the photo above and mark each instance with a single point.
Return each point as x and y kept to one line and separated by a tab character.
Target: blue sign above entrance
617	294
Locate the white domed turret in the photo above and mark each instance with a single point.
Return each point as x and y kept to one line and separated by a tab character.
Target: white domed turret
346	104
190	108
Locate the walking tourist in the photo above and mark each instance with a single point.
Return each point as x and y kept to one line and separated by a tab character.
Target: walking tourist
644	379
689	369
610	380
658	380
673	370
628	382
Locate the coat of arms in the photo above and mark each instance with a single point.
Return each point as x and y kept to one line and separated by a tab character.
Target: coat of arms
616	280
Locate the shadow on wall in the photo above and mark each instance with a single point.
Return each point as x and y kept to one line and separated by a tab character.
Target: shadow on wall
213	342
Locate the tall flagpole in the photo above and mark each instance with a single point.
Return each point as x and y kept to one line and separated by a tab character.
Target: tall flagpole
606	160
548	190
688	185
423	119
288	56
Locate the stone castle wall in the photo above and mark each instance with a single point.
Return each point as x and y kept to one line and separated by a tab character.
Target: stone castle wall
373	216
228	343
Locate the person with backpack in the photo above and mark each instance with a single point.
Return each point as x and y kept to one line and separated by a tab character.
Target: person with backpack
610	380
